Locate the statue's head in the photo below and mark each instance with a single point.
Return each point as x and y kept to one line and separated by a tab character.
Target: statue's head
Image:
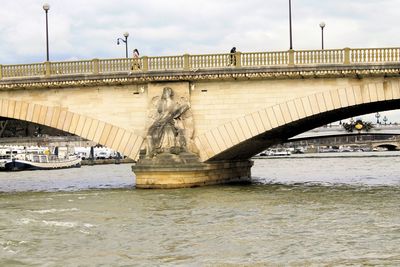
167	93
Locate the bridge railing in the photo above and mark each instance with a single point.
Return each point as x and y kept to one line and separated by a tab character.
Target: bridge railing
112	65
187	62
375	55
71	67
209	61
22	70
307	57
165	63
265	59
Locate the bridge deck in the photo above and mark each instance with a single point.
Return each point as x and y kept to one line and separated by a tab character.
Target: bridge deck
274	60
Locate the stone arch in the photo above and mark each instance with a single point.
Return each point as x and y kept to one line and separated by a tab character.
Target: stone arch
390	147
271	125
112	136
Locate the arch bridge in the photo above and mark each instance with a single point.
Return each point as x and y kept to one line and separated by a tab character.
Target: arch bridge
219	110
338	130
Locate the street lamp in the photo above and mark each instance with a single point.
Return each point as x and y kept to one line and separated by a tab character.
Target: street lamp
322	25
126	34
46	8
377	116
290	25
385	119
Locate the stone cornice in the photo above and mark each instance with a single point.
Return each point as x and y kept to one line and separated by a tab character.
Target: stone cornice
232	73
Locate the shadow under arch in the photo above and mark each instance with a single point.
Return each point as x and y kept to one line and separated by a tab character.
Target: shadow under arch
390	147
337	105
103	133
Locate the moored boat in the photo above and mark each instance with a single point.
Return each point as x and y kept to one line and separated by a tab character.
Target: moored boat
274	152
38	162
279	152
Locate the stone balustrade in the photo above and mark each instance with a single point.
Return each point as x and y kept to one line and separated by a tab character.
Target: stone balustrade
211	61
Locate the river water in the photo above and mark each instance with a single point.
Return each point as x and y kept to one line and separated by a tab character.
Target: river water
300	211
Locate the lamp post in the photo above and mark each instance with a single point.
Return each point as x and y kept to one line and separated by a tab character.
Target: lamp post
322	25
46	8
385	119
377	116
126	34
290	25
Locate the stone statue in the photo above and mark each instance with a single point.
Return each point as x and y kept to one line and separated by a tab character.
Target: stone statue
170	125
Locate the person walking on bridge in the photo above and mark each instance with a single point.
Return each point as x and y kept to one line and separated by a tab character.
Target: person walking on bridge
233	56
136	63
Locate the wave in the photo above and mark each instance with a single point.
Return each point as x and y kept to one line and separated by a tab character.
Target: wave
53	210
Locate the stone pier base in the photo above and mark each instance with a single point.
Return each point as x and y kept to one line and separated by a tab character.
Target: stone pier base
191	175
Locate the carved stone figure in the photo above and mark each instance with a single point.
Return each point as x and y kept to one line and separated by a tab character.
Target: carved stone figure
170	125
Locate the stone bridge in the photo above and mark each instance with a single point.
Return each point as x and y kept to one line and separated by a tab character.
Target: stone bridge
338	130
390	145
220	108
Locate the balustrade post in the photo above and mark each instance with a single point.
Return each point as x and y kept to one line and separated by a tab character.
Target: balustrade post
291	57
186	63
145	63
346	56
1	71
96	66
238	56
47	68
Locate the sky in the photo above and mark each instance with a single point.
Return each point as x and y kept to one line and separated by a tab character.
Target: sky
87	29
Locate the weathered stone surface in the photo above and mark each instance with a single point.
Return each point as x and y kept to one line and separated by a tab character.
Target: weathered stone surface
180	176
170	124
169	160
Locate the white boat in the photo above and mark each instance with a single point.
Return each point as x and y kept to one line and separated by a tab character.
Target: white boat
21	162
275	152
279	152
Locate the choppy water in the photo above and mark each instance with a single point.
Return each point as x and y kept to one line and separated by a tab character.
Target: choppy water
299	212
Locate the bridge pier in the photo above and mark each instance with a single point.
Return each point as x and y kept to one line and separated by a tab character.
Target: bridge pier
172	172
170	158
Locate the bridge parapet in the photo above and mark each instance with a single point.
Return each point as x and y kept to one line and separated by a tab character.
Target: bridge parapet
301	58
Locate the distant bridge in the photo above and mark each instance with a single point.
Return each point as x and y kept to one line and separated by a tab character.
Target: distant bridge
338	130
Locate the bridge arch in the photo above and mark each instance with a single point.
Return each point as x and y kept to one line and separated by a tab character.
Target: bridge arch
250	134
112	136
388	146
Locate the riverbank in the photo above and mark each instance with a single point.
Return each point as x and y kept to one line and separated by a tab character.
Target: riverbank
371	154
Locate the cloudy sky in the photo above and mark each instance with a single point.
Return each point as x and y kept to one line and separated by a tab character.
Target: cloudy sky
87	29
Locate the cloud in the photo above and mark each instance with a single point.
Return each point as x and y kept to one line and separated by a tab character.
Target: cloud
89	29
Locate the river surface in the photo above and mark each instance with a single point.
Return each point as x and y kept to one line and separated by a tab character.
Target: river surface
300	211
